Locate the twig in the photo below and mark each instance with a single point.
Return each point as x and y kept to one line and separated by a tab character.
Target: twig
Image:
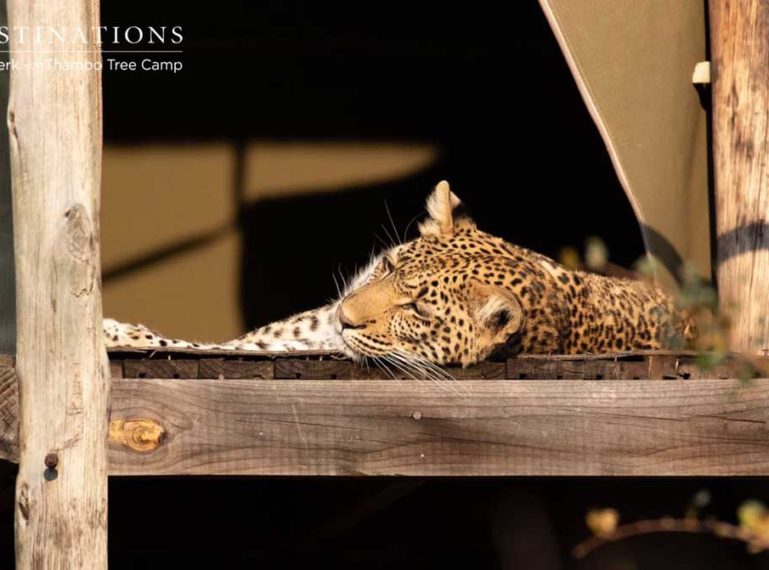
717	528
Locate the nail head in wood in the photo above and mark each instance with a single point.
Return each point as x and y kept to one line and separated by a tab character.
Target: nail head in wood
51	460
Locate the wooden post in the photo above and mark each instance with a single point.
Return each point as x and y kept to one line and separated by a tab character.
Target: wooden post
7	284
740	71
54	122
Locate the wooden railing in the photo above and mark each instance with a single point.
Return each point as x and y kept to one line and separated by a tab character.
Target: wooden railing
217	414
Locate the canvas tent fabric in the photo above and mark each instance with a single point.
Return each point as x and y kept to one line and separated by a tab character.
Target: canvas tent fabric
633	63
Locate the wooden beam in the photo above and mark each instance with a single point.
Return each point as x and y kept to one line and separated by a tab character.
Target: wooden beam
651	365
54	121
9	410
740	73
494	427
470	428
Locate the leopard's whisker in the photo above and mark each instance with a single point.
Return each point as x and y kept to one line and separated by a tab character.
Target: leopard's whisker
413	362
392	222
378	361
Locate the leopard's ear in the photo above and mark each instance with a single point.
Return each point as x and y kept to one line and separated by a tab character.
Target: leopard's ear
498	317
446	213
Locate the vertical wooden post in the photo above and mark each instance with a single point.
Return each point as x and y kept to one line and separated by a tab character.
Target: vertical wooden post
54	122
7	283
740	72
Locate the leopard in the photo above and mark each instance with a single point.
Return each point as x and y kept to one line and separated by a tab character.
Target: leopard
455	296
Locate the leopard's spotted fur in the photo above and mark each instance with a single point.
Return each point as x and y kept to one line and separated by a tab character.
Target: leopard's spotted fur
456	295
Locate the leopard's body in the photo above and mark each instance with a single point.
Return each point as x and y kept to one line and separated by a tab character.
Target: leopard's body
456	295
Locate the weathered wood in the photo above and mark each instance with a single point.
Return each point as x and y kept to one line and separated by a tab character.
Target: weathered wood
116	369
160	368
648	365
740	72
224	368
379	427
661	366
481	371
524	369
54	123
299	366
301	369
9	413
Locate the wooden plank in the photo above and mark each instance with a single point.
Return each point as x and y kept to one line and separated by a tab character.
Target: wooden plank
330	369
160	368
116	368
236	369
656	366
340	369
524	369
370	427
660	366
9	413
740	66
54	124
607	367
481	371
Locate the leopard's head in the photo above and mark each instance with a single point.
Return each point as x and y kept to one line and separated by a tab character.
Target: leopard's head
440	298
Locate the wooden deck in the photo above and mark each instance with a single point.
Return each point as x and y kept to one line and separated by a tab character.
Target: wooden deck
324	365
179	413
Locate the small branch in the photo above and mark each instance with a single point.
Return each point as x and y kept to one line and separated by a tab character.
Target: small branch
638	528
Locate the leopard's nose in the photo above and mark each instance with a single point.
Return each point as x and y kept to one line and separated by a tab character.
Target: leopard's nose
345	320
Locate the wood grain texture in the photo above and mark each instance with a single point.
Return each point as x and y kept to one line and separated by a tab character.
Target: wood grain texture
9	413
161	368
379	427
301	366
224	368
384	427
54	119
740	74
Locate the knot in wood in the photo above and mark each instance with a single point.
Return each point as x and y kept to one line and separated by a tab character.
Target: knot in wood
140	435
78	233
